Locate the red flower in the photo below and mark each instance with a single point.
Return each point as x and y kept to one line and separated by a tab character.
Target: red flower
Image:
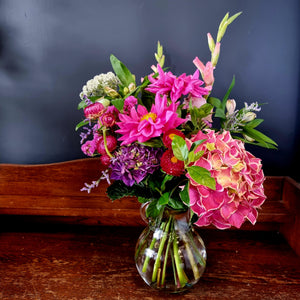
169	135
171	165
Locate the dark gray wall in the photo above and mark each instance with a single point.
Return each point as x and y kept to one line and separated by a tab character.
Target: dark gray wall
49	49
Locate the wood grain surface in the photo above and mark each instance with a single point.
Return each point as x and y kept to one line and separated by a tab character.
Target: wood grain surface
74	262
55	242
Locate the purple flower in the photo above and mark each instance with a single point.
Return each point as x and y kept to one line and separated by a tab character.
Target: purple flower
132	164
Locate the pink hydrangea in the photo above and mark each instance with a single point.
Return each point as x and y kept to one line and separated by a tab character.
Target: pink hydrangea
142	125
170	85
239	182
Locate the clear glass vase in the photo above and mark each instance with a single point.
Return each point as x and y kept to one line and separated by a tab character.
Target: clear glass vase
170	255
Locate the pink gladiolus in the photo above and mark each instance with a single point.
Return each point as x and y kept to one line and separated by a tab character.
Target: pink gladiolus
207	71
142	125
239	182
170	85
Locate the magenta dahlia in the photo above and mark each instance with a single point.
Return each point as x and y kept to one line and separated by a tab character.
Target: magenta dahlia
170	85
141	125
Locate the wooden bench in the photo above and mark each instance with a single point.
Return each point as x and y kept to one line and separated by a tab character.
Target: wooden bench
57	242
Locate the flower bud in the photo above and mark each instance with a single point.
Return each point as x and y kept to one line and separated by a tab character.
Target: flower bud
131	87
108	119
230	106
103	101
111	92
249	116
215	54
94	111
126	90
211	42
248	138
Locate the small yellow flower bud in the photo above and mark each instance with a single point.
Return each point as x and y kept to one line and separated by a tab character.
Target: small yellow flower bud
126	90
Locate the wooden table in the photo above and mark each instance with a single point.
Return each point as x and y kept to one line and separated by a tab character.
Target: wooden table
55	242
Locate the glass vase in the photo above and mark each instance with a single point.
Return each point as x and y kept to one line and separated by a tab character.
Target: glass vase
170	255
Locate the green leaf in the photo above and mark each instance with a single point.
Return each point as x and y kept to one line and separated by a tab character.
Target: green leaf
228	93
202	176
143	200
81	105
118	189
215	102
82	123
118	104
176	204
154	143
154	209
258	136
184	195
220	113
166	179
196	144
121	71
164	199
254	123
180	148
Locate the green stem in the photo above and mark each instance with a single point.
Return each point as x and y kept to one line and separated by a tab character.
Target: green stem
181	274
198	255
166	256
160	249
105	143
191	257
146	262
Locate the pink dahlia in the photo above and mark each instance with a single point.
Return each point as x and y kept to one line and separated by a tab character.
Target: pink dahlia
141	125
169	84
239	182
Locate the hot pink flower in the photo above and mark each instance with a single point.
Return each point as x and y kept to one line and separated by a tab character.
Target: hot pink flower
239	182
169	84
128	104
94	110
142	125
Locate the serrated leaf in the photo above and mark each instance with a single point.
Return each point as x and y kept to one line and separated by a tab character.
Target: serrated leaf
202	176
82	123
121	71
179	147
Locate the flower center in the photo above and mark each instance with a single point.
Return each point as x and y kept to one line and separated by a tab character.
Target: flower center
174	160
151	115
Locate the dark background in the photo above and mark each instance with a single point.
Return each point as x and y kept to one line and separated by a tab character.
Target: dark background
49	49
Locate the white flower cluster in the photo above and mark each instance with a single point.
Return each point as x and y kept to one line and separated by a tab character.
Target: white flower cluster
95	87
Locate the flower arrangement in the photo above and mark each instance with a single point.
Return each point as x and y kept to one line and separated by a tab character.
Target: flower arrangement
158	140
171	144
